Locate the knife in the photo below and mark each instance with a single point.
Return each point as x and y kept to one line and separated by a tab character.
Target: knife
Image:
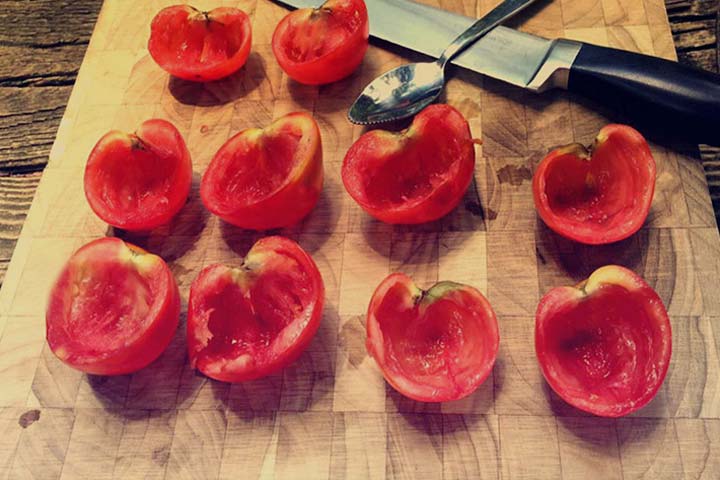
662	96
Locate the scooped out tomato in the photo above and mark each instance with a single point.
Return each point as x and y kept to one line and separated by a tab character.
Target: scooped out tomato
200	46
604	345
139	181
417	175
113	310
266	178
250	321
601	195
432	345
321	45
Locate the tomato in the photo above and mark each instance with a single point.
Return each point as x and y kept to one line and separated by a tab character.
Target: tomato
601	195
200	46
248	322
604	345
322	45
263	179
113	310
432	345
140	180
417	175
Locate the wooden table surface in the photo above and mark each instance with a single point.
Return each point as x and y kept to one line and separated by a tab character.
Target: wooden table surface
42	43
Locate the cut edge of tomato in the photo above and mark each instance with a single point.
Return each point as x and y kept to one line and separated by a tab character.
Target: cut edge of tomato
311	131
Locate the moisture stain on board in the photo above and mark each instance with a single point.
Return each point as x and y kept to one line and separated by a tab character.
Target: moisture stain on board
28	418
514	175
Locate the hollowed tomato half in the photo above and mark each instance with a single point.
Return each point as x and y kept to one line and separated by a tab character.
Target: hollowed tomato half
601	195
266	178
604	346
139	181
113	310
248	322
322	45
435	345
200	46
417	175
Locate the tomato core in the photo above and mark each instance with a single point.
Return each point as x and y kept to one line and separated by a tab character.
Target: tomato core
307	39
257	169
409	176
603	344
585	191
108	304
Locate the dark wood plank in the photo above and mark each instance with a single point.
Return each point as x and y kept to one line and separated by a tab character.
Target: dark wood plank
42	44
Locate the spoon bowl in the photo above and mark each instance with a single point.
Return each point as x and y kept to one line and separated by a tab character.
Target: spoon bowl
402	92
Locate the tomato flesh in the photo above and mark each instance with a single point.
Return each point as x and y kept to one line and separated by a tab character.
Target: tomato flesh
139	181
415	176
432	346
263	179
605	349
248	322
598	197
200	46
113	310
322	45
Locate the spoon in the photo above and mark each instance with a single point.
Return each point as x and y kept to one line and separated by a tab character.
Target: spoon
404	91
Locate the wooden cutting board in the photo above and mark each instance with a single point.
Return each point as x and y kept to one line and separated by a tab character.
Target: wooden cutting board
331	415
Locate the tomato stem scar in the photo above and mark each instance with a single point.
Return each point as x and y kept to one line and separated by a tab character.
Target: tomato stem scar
137	142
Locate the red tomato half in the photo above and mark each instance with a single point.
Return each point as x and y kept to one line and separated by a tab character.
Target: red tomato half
597	196
435	345
113	310
263	179
248	322
604	346
140	180
322	45
417	175
200	46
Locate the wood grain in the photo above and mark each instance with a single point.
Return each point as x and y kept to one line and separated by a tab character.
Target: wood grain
331	414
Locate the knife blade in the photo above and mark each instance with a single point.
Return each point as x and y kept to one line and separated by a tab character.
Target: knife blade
668	99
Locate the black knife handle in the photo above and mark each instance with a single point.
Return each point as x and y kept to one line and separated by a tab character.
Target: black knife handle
668	98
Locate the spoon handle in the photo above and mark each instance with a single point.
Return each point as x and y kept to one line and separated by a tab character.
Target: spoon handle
496	16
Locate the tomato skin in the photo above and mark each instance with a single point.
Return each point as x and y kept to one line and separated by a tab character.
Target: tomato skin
432	346
604	346
283	162
200	46
234	331
84	293
139	181
601	196
388	174
301	30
